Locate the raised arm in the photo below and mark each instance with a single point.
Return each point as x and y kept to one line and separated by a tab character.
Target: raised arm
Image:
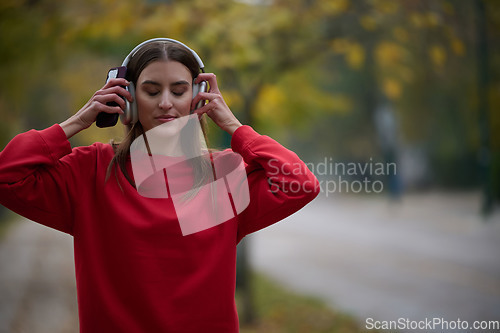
39	170
280	183
111	92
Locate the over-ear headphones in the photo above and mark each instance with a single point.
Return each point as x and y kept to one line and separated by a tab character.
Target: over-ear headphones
131	115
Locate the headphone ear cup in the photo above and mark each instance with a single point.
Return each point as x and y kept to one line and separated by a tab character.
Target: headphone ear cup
199	88
196	89
130	115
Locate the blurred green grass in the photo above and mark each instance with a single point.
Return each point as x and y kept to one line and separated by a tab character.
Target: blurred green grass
7	218
280	310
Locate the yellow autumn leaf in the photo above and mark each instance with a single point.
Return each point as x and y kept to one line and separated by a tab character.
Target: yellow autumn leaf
368	22
438	55
392	88
448	8
388	53
457	46
386	6
233	98
270	103
333	7
355	56
432	19
339	104
340	45
417	20
400	34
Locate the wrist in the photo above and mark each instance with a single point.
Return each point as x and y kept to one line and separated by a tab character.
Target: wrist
71	126
232	128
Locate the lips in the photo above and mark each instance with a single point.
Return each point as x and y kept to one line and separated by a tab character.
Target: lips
165	118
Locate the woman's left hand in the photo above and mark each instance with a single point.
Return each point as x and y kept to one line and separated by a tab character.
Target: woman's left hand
216	108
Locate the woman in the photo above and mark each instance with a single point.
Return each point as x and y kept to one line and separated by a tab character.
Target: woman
135	270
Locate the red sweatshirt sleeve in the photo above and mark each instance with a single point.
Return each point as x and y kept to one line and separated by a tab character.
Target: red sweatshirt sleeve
36	180
280	183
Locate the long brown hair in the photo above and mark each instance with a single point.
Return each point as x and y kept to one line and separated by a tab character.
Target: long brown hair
155	51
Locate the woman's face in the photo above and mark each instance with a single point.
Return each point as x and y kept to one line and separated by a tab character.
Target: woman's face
163	93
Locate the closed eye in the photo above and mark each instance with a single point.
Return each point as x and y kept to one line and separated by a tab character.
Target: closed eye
152	93
178	92
179	88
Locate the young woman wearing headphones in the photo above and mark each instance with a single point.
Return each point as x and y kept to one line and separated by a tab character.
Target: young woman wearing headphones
136	270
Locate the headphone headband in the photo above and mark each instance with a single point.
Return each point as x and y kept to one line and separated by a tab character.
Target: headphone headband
134	51
131	114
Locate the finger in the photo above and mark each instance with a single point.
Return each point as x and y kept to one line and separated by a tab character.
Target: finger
112	109
202	96
116	82
122	92
118	90
211	79
206	108
99	107
110	98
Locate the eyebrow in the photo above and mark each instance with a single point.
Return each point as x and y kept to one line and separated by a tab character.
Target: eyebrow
177	83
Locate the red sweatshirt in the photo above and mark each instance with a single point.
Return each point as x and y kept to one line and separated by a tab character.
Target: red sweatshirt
135	271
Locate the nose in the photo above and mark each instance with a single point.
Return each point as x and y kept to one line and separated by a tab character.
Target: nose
165	102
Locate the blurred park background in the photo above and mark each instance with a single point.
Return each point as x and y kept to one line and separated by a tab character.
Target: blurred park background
413	83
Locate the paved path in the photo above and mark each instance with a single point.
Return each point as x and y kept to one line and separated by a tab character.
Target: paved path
428	256
37	281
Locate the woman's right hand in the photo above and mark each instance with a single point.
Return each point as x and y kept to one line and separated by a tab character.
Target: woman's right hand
110	92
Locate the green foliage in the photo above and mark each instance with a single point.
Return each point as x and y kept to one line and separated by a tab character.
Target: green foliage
312	73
